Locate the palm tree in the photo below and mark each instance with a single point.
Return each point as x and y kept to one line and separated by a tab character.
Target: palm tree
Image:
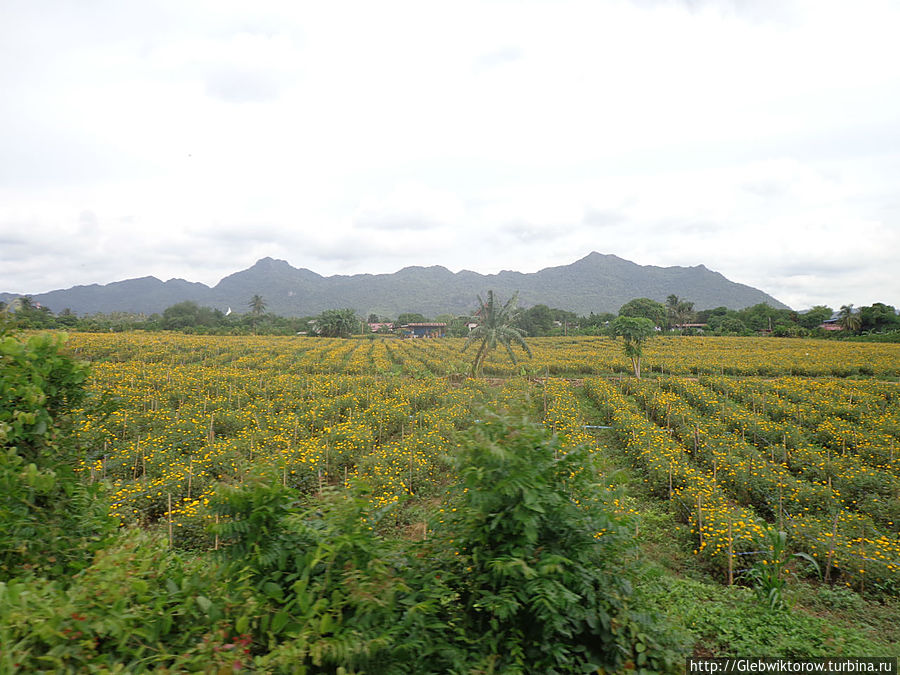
337	323
257	305
672	310
678	311
494	326
848	319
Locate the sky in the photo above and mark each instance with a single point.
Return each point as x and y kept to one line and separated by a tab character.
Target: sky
760	138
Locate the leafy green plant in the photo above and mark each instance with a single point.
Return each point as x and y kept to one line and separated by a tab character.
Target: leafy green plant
769	575
330	586
50	520
536	558
138	606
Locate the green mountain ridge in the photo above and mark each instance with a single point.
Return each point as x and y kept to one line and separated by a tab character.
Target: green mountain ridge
595	283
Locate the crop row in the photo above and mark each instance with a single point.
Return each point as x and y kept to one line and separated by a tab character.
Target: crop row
856	485
174	432
551	356
813	513
862	417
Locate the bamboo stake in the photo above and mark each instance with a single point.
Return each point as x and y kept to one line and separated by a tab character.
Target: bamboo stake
730	555
670	480
780	506
170	518
700	517
831	548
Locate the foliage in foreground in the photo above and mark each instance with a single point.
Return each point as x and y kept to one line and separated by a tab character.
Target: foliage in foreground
49	519
521	575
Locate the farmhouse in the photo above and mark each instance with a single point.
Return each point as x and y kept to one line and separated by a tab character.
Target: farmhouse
425	330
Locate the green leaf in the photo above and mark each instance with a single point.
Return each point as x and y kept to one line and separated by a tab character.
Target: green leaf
279	621
203	603
273	591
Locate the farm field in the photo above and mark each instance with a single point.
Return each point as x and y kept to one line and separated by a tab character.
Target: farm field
723	444
818	457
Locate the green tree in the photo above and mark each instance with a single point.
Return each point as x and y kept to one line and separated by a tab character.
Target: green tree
815	316
534	321
635	331
257	305
728	325
495	326
645	308
595	324
411	317
337	323
849	319
671	310
763	317
678	312
878	317
190	315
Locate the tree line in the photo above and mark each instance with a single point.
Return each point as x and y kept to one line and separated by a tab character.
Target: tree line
876	321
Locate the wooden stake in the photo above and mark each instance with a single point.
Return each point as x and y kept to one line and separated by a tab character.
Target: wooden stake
700	517
170	518
780	506
730	555
670	480
831	548
216	544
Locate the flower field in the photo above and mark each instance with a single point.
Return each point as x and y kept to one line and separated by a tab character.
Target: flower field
742	436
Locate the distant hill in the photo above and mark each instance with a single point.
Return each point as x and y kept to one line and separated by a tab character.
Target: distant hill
596	283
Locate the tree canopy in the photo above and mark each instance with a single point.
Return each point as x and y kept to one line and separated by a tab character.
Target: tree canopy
337	323
645	308
257	305
495	326
635	331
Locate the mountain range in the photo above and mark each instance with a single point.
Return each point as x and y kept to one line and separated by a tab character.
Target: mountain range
596	283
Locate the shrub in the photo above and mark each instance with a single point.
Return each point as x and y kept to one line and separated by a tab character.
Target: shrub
51	520
535	557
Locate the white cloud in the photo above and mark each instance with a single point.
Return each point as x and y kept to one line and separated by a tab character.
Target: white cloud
757	138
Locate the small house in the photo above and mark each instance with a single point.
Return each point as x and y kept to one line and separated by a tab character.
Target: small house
425	330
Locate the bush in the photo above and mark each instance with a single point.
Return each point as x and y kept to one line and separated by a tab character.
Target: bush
138	607
51	520
536	559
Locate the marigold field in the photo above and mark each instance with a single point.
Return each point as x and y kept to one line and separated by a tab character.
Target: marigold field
739	436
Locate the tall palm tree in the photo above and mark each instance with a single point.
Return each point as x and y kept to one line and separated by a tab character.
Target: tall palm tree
672	310
848	319
257	305
495	326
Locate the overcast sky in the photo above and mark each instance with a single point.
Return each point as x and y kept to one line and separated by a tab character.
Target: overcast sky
188	139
